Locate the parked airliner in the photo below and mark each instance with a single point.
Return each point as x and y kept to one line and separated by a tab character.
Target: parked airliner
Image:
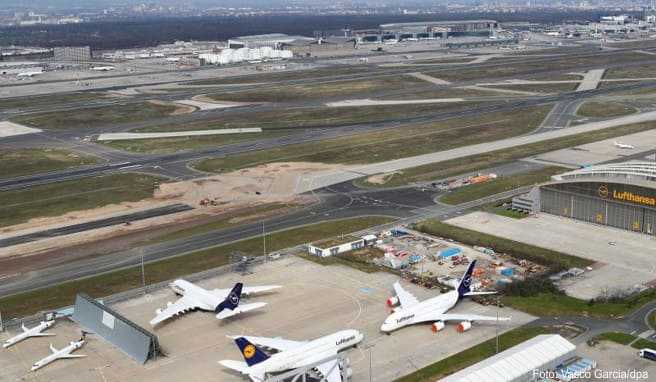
412	311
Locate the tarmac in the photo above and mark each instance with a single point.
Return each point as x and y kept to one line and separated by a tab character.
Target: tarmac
631	254
10	129
192	133
315	300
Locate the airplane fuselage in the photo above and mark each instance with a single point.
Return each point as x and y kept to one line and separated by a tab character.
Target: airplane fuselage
58	354
420	312
34	332
184	288
310	352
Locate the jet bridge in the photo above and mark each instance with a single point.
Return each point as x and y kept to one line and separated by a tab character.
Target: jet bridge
307	373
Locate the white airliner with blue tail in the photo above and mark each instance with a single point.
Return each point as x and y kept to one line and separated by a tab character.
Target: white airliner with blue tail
292	355
412	311
223	302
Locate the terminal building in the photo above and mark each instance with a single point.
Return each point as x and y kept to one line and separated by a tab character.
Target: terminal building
426	30
620	195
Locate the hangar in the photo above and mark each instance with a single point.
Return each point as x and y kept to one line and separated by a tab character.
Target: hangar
621	195
520	363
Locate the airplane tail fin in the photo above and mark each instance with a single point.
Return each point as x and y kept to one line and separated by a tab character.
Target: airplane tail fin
232	301
464	287
252	354
53	349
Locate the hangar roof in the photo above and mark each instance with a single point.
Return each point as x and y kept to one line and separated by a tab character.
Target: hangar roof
518	361
627	172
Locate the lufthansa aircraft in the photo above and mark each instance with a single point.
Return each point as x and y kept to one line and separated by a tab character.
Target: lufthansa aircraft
292	354
223	302
412	311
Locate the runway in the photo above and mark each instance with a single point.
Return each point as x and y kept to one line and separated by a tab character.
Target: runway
115	220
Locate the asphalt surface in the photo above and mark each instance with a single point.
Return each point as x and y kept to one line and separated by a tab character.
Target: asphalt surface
95	224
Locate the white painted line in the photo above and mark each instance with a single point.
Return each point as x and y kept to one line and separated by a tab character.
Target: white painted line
431	79
373	102
175	134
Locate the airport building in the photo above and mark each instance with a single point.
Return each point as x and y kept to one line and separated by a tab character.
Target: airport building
620	195
426	30
72	53
521	363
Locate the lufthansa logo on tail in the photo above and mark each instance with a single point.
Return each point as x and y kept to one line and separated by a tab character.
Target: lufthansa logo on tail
234	298
249	351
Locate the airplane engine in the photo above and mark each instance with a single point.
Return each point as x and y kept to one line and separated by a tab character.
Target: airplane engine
463	326
158	311
437	326
392	301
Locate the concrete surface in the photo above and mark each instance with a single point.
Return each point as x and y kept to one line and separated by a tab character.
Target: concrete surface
632	255
611	356
431	79
203	105
193	133
9	129
601	151
314	301
591	80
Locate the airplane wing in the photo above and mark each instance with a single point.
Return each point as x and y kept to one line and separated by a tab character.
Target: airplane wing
241	367
225	313
179	307
53	349
223	293
42	334
277	343
461	317
406	299
330	371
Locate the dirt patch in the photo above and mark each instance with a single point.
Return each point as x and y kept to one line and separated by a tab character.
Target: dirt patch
179	108
204	98
214	195
382	178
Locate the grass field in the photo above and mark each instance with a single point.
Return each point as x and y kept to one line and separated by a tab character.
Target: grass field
18	162
171	145
553	259
548	304
245	216
109	283
59	198
539	64
95	116
474	354
391	143
320	90
60	99
594	109
295	117
474	163
641	71
626	339
538	88
617	337
500	184
286	76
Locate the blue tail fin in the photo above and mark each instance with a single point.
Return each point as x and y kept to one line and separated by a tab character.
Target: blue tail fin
232	301
465	282
252	354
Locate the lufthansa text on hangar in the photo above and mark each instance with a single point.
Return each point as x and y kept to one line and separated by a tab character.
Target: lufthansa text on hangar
621	195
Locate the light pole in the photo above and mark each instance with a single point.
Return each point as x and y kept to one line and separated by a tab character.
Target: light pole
143	272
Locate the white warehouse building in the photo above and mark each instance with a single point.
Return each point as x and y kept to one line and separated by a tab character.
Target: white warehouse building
231	56
520	362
